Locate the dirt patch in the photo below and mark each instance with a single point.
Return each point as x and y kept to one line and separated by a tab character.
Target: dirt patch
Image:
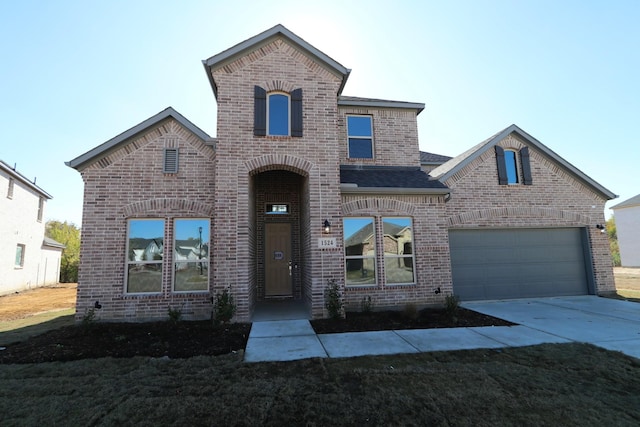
627	278
24	304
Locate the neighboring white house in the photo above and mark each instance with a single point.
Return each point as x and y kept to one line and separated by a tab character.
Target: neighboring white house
627	216
28	259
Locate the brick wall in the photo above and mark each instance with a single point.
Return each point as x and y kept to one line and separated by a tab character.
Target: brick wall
432	264
129	183
556	199
276	65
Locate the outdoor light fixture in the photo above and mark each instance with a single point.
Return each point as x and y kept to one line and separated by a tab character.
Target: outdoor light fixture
326	226
602	228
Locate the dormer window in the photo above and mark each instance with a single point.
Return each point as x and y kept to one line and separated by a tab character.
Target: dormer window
508	171
277	113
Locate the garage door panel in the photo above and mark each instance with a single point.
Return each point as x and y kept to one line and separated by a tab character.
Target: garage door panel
517	263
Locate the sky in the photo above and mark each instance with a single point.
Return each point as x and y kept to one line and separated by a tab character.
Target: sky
75	73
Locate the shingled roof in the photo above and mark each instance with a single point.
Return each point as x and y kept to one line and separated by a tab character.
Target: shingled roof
634	201
397	179
427	158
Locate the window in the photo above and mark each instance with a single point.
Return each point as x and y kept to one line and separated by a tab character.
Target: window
170	163
360	136
145	252
10	189
508	171
359	251
20	255
40	208
278	113
191	255
398	250
510	162
277	209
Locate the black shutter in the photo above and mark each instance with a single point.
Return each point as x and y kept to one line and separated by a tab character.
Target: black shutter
502	167
296	113
526	166
259	111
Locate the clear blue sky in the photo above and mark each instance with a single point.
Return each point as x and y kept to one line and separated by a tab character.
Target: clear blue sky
77	73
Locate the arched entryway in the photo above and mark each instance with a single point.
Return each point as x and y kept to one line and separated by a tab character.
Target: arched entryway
279	209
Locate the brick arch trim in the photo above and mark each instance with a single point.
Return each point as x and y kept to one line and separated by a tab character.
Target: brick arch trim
162	206
515	212
279	161
374	205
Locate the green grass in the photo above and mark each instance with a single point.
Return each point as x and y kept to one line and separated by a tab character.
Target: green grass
561	384
21	329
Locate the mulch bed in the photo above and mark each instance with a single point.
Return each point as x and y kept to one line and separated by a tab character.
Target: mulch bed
389	320
203	338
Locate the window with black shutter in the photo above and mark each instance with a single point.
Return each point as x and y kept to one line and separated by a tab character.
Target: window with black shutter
526	166
277	113
502	168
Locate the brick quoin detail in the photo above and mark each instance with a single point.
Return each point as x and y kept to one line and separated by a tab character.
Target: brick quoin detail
160	207
368	205
278	161
474	217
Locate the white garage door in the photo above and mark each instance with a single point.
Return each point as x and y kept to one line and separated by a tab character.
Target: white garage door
518	263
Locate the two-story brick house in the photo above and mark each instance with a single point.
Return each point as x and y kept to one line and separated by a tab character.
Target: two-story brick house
304	185
29	258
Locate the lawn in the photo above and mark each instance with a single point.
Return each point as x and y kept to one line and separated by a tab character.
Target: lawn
562	384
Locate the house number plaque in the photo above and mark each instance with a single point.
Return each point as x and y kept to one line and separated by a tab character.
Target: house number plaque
326	242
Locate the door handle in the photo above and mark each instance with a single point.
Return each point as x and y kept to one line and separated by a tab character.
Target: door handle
289	267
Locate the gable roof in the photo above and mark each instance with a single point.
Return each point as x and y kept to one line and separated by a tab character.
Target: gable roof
379	103
90	156
49	242
13	173
388	179
445	171
634	201
433	159
263	38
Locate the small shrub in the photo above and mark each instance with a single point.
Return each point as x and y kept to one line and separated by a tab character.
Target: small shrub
451	303
89	318
333	300
366	304
174	314
224	307
410	311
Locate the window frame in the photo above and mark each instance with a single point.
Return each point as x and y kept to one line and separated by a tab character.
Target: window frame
204	262
22	247
373	257
356	137
129	262
403	257
271	95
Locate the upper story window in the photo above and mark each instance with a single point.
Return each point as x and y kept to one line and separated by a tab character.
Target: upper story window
10	189
40	208
511	166
277	113
20	255
360	137
510	171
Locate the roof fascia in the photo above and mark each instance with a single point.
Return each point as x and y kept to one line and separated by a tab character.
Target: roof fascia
252	43
101	149
382	104
23	179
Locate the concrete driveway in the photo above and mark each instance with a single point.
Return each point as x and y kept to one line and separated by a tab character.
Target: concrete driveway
607	323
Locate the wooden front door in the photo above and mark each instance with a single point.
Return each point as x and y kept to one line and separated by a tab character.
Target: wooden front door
277	253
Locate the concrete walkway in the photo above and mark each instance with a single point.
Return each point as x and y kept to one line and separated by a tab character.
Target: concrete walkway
612	324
